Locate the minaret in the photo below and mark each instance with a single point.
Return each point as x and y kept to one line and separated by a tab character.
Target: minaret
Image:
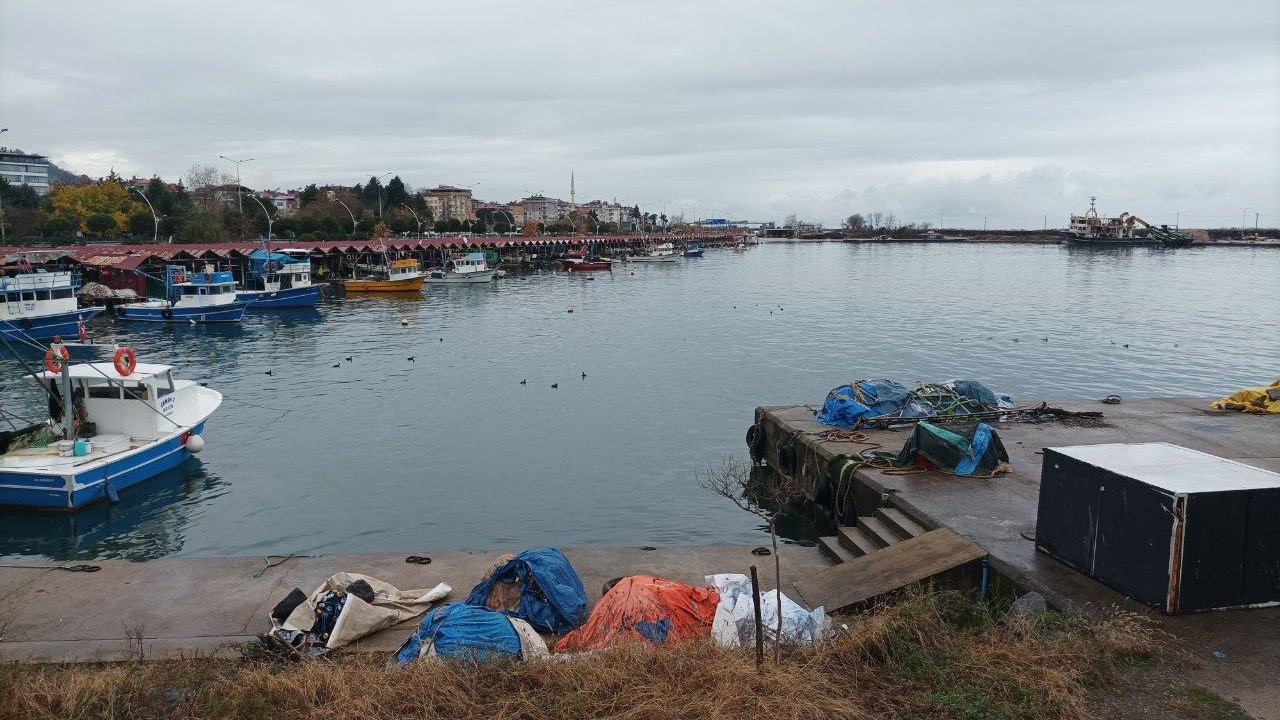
573	193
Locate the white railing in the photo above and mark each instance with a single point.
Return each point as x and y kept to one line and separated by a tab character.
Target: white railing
39	281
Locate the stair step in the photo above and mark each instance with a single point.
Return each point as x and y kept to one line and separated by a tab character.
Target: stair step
898	521
852	584
855	541
830	545
878	531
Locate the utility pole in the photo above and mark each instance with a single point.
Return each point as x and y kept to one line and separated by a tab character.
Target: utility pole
155	238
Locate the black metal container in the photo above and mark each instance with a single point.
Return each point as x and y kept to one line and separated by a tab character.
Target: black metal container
1171	527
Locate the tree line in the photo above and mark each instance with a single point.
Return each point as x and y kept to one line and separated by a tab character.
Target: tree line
207	206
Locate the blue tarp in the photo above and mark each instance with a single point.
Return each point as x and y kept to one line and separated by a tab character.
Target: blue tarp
847	406
462	632
258	260
552	598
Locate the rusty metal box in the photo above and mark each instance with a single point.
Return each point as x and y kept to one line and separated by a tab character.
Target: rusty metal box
1170	527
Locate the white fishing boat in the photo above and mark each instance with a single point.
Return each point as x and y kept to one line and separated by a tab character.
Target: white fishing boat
40	305
470	268
128	422
664	253
208	296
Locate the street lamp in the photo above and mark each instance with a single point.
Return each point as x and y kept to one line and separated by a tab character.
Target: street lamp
270	219
353	215
415	217
2	131
239	201
155	238
380	192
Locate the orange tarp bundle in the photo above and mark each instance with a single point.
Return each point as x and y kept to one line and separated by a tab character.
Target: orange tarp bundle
648	609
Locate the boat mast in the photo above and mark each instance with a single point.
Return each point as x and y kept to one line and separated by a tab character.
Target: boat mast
68	404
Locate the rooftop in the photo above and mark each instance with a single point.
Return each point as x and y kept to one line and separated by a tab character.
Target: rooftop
107	371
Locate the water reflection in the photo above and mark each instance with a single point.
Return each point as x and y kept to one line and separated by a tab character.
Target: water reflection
149	521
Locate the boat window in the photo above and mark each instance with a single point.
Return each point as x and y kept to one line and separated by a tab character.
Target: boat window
43	295
63	293
13	297
203	291
104	391
136	391
164	384
29	296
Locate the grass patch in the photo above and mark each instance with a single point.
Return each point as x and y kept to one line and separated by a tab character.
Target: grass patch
1201	704
927	655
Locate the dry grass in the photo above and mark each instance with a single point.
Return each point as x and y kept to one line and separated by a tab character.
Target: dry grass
929	655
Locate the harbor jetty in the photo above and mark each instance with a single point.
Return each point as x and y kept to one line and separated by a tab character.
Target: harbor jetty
883	515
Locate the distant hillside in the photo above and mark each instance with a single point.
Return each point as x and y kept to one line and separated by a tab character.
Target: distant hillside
58	175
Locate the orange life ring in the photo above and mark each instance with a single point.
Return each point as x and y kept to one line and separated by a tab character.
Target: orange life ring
54	362
125	361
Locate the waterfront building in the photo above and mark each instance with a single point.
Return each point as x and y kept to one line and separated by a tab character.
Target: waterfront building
19	168
538	208
449	203
286	202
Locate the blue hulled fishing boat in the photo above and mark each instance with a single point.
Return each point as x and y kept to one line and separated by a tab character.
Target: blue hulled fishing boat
204	297
279	280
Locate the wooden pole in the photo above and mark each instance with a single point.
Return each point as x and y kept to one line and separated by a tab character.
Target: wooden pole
755	600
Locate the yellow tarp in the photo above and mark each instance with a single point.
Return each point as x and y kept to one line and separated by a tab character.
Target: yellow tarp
1252	400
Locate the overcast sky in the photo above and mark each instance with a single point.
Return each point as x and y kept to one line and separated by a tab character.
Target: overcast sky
938	111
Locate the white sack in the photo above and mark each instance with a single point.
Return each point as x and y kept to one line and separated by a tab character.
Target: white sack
734	623
358	618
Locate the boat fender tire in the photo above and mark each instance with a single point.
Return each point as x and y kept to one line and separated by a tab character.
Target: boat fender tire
755	442
53	361
167	314
125	361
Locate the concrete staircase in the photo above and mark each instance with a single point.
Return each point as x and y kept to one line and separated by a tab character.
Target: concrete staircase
888	526
883	553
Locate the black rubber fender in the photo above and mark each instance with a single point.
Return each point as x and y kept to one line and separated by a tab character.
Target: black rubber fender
755	442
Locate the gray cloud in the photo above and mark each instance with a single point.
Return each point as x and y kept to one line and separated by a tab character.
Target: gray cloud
1005	110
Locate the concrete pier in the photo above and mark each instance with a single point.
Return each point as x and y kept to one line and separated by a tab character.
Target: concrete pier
187	606
1238	650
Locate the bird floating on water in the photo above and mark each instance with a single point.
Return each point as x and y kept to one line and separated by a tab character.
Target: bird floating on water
349	358
525	381
337	365
411	358
403	322
269	372
555	386
584	376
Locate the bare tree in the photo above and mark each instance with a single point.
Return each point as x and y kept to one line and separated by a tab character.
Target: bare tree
765	498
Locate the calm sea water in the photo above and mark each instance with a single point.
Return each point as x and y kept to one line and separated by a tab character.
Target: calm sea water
450	451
